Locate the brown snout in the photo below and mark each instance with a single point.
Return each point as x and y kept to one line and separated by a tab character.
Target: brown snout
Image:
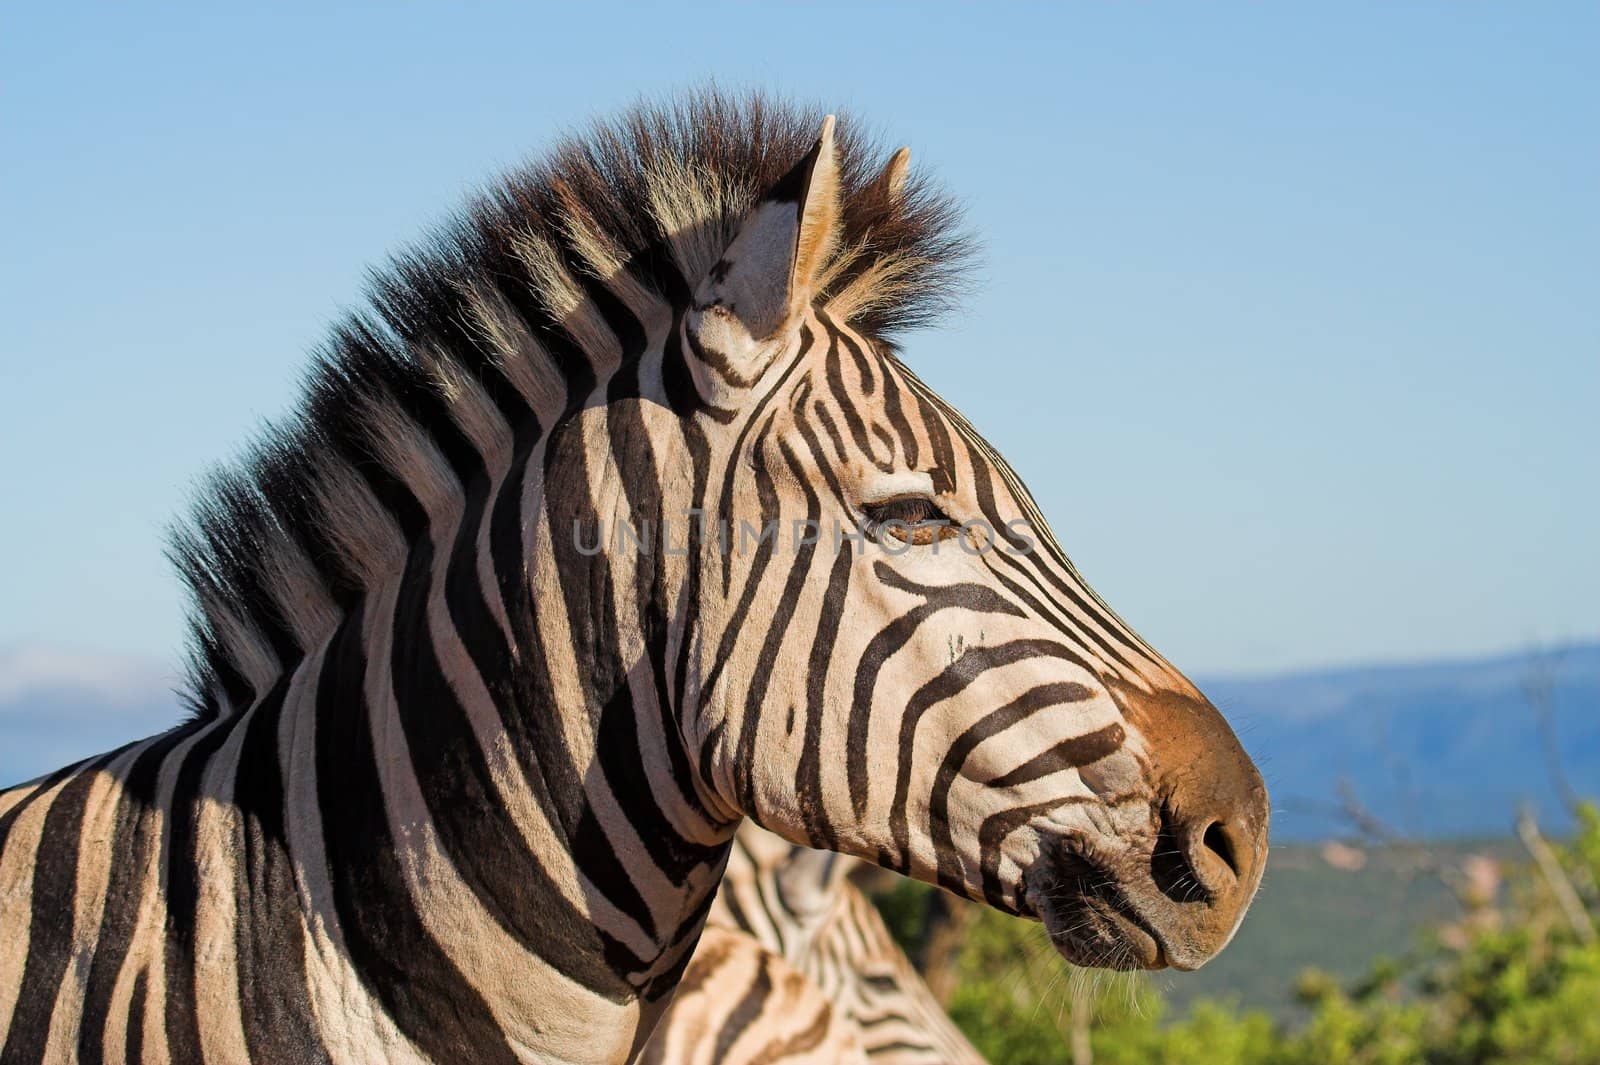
1173	892
1211	844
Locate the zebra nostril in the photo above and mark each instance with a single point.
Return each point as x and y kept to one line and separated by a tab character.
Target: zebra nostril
1174	874
1217	840
1198	859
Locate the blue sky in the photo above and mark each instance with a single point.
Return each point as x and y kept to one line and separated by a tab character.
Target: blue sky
1288	313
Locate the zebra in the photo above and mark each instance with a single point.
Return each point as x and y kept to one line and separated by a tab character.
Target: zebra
804	917
858	963
740	1004
461	773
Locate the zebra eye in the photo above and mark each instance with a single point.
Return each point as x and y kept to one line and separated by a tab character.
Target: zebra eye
909	519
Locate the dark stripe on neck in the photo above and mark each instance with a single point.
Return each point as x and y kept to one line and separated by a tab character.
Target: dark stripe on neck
776	630
182	890
275	1009
134	843
391	950
808	785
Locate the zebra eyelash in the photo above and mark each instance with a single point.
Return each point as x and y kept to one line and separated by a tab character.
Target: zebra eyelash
911	519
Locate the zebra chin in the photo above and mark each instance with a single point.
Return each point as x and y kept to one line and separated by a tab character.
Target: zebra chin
1093	919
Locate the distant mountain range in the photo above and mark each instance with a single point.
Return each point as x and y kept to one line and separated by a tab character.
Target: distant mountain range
1445	748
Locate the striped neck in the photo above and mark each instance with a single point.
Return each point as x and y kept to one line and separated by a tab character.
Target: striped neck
487	749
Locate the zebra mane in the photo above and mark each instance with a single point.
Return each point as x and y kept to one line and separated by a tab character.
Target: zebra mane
518	299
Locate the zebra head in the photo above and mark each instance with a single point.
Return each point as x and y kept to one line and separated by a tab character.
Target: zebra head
895	657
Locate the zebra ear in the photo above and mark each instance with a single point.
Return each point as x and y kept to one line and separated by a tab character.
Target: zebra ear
892	181
767	275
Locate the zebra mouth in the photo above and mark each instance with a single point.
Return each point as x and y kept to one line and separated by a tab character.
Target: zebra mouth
1088	915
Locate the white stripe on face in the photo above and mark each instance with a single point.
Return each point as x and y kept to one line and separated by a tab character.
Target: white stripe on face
881	486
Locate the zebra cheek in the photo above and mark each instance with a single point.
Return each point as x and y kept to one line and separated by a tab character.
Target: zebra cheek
1118	774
